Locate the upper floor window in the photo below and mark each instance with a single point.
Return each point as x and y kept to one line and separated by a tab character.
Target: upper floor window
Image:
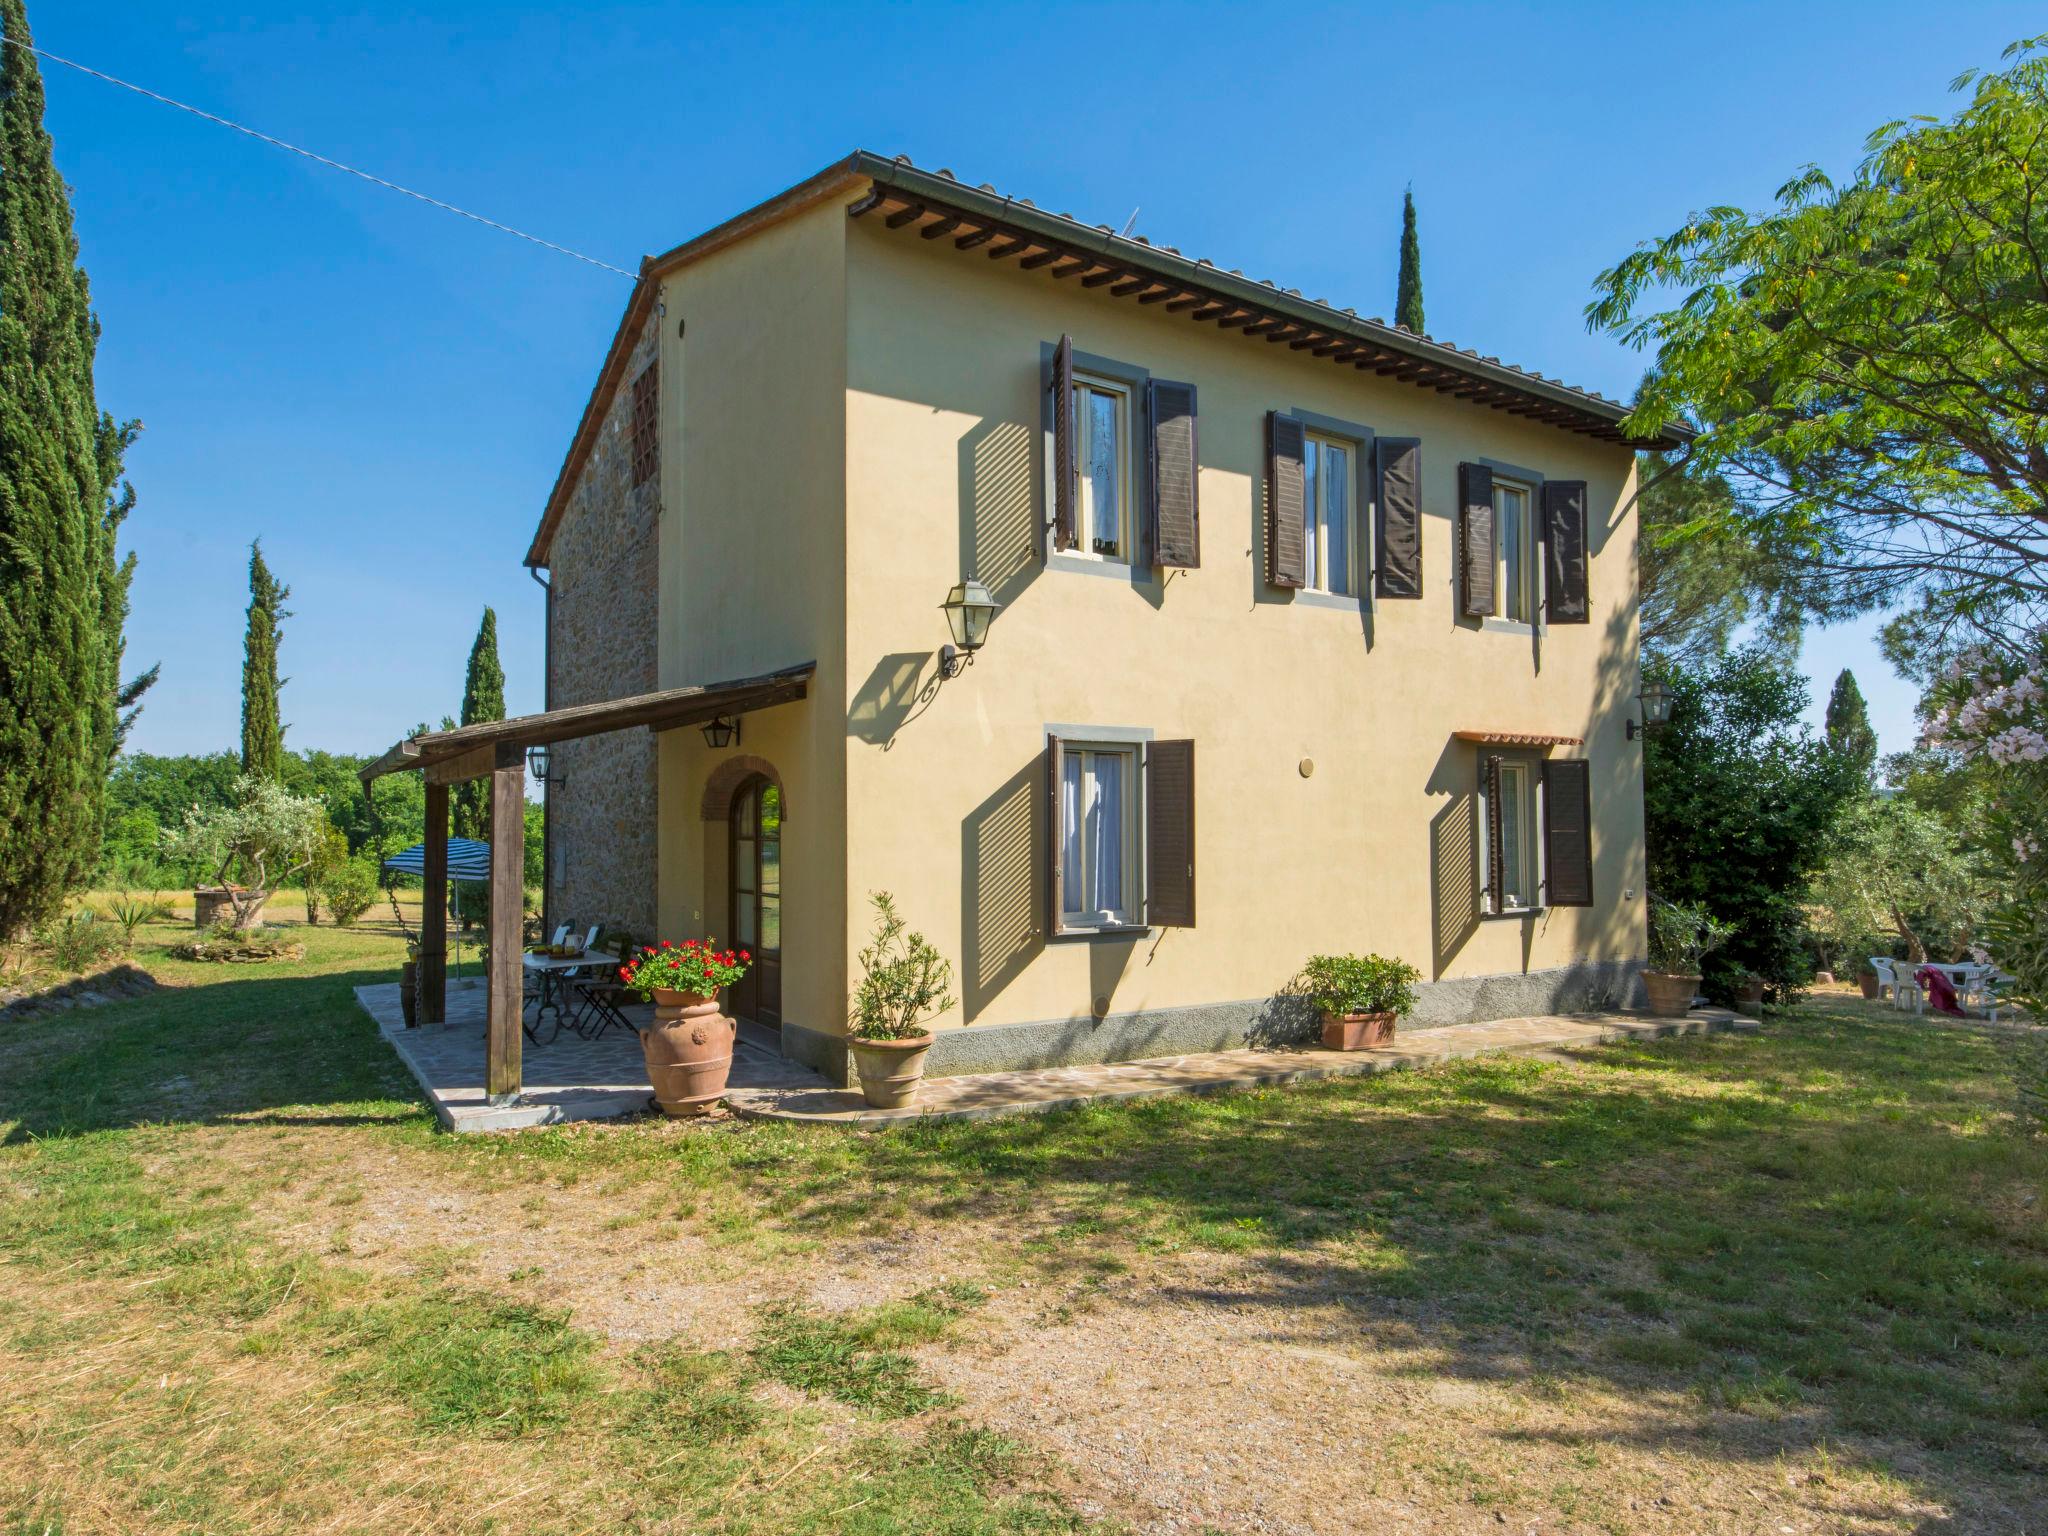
645	442
1102	427
1329	485
1515	585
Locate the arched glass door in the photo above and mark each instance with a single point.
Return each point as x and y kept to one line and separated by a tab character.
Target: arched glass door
756	907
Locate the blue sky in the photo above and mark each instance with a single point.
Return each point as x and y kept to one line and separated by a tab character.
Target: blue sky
384	393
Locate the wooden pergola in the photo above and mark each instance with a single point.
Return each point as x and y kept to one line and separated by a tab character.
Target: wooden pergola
496	749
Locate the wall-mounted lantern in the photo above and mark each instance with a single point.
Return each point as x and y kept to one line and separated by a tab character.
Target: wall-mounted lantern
720	733
541	766
1656	699
969	611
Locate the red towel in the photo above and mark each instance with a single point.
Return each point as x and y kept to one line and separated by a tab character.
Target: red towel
1941	993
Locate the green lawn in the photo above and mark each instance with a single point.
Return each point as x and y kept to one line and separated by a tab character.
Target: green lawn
227	1270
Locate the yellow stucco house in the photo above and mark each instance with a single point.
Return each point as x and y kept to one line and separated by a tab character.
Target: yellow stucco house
1315	634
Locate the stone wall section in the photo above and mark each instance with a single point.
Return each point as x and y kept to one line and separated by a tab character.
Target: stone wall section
605	575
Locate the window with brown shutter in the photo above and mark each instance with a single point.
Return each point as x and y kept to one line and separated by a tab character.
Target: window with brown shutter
1170	834
1495	874
1286	503
1398	477
1175	521
645	439
1567	833
1475	541
1564	551
1060	381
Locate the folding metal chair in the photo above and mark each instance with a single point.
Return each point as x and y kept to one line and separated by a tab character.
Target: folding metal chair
603	997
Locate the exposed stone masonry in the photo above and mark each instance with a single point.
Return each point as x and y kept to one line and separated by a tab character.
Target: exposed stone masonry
604	570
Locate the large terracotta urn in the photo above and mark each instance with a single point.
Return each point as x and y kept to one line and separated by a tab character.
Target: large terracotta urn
689	1051
890	1071
1671	992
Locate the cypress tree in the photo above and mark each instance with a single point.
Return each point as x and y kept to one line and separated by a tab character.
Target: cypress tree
483	698
1408	287
1848	726
63	593
262	730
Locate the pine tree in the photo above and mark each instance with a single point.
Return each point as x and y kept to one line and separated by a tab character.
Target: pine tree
63	593
1408	287
262	730
483	698
1848	722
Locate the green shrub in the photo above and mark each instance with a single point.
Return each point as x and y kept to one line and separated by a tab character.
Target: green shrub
903	980
1360	984
81	941
1682	933
348	889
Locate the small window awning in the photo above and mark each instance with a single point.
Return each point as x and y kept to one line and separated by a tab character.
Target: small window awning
1519	739
471	751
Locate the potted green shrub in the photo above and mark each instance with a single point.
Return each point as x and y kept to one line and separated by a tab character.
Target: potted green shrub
1681	935
903	983
1360	997
688	1045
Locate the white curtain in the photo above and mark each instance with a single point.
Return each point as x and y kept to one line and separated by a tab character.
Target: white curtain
1106	833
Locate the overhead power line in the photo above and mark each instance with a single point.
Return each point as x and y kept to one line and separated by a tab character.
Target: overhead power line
375	181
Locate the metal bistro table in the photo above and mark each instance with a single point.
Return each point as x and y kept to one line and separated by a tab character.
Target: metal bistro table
556	972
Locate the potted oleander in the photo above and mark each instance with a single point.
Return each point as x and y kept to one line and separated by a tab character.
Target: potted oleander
1682	934
1361	997
903	983
688	1044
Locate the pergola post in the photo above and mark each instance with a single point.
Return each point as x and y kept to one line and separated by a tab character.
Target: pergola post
433	971
508	910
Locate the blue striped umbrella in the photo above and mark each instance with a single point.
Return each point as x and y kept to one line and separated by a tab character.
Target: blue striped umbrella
467	859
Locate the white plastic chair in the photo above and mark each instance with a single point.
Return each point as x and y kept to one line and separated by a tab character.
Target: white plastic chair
1887	982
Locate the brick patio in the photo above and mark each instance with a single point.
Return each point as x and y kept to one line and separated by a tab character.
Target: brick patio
571	1078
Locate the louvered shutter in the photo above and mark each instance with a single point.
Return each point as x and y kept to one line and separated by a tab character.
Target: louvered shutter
1475	540
1398	483
1055	881
1062	490
1496	856
1564	551
1567	833
1176	526
1286	503
1170	834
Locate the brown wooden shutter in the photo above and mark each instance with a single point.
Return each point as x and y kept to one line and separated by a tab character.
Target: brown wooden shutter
1564	551
1062	490
1170	834
1176	531
1398	484
1055	882
1496	856
1286	503
1567	833
1475	540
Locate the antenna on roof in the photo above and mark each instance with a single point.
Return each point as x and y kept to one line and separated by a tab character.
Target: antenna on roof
1125	232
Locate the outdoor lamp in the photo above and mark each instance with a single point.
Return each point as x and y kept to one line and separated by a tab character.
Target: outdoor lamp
720	732
1656	699
969	610
537	763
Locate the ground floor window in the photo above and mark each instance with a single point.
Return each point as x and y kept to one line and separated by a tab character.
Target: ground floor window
1121	847
1098	836
1535	833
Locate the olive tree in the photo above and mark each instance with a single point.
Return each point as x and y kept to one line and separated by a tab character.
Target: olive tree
256	842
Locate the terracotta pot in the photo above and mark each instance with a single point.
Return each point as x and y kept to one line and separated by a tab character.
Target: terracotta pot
1671	993
1749	992
409	992
1358	1031
890	1070
689	1052
1868	983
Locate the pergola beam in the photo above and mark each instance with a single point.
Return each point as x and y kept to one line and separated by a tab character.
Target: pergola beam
505	998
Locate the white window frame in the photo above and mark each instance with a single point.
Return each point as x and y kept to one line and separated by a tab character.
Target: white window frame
1130	913
1523	887
1085	534
1316	510
1519	583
